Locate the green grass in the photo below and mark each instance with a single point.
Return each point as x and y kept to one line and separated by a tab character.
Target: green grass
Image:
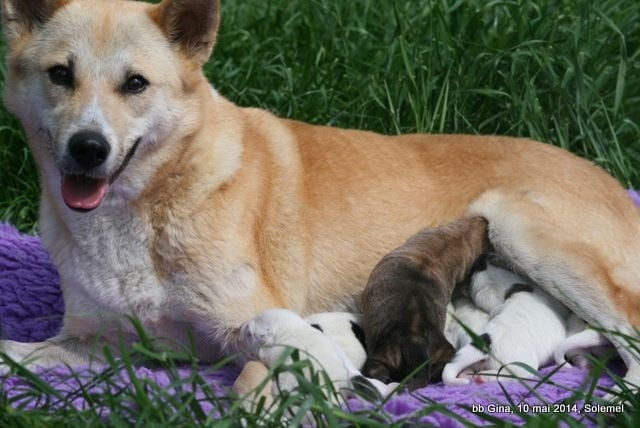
115	396
561	71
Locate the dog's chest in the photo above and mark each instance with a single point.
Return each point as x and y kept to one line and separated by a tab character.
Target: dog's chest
104	263
109	267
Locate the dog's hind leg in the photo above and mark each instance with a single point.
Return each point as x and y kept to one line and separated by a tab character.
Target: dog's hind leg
585	254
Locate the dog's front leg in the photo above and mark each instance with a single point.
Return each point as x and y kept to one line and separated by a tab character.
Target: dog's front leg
59	350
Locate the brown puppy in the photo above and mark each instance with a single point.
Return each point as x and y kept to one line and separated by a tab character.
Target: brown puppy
405	301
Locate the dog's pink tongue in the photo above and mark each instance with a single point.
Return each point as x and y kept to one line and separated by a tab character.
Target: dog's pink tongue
83	193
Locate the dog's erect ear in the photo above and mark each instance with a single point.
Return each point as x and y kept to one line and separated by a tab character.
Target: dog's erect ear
190	24
20	17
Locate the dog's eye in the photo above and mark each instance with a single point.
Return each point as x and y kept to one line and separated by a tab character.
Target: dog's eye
135	84
61	75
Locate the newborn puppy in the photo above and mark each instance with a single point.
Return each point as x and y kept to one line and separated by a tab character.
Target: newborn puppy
462	314
526	327
465	313
345	330
490	285
265	337
405	301
581	340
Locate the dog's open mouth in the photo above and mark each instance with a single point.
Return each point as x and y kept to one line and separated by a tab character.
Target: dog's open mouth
83	193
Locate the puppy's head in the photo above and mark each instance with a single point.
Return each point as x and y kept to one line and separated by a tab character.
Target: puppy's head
96	83
399	357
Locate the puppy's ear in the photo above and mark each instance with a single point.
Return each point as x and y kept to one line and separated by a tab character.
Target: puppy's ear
443	352
190	24
376	369
20	17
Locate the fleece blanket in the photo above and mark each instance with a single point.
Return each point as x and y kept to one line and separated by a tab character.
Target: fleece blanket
31	309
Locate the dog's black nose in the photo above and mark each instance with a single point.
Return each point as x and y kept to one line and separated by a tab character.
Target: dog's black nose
89	149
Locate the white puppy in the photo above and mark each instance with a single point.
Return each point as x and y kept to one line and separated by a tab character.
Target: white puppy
345	330
526	326
581	340
464	313
268	335
490	287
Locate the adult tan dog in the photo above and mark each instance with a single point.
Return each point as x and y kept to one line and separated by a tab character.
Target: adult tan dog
163	200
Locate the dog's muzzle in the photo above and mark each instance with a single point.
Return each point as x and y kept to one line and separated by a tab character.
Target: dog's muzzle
89	150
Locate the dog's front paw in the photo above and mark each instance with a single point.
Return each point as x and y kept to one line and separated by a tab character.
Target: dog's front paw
56	351
12	353
247	341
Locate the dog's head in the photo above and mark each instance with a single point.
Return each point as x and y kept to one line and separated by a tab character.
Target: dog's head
96	82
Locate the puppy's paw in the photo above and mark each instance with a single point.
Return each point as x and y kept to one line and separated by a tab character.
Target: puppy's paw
465	377
452	375
581	361
247	341
371	389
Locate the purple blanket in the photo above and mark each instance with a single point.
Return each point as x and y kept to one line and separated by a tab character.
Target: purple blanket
31	309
